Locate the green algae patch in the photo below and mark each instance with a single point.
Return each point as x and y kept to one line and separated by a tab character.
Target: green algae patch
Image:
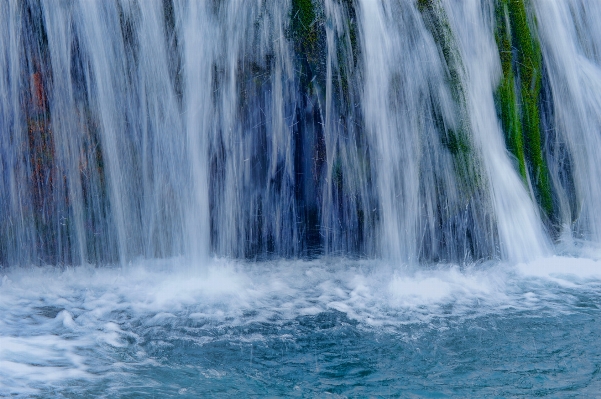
518	95
506	92
303	15
456	140
347	53
304	28
437	23
307	34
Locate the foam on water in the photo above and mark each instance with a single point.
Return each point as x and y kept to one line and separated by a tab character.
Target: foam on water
65	326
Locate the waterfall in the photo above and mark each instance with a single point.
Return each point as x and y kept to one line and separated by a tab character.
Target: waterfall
568	32
416	131
520	230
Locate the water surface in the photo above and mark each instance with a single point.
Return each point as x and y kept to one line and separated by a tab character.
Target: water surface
338	327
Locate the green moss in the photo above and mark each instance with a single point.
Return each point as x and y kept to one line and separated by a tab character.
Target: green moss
437	23
304	30
506	94
424	5
351	22
458	140
520	55
304	13
347	53
308	37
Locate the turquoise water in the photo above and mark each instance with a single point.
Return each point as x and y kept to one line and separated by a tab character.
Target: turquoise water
322	328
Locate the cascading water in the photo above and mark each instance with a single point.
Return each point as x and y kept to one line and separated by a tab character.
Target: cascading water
356	128
568	32
353	174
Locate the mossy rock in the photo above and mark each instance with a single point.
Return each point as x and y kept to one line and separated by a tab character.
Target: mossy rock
347	48
518	95
304	28
458	139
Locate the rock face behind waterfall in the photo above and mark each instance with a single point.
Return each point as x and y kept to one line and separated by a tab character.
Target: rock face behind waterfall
417	131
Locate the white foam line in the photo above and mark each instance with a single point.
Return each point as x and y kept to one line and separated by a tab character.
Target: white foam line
556	266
